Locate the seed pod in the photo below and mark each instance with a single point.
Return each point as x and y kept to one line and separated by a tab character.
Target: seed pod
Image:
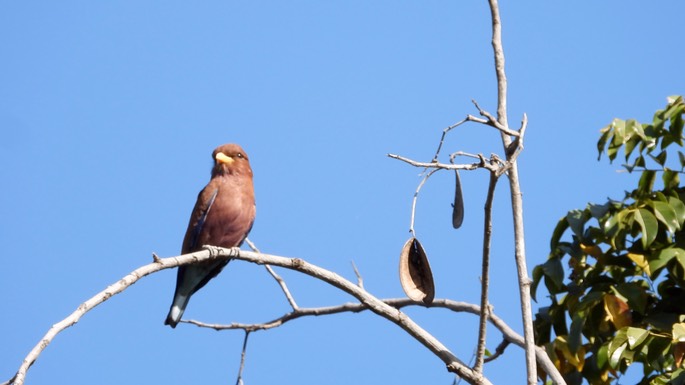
458	205
415	272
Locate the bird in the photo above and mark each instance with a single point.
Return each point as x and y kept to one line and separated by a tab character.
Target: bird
223	216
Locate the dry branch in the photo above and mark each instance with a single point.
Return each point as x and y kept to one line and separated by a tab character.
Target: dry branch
516	197
210	253
485	275
510	336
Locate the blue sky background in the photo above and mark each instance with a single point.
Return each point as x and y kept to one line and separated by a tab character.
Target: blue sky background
109	113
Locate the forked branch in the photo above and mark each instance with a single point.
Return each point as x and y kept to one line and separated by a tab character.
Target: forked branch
374	304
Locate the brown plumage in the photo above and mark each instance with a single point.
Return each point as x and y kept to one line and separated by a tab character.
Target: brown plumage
223	216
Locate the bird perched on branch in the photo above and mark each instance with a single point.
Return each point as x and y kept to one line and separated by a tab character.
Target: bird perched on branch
223	216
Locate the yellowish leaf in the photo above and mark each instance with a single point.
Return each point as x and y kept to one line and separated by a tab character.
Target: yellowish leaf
640	261
617	311
593	250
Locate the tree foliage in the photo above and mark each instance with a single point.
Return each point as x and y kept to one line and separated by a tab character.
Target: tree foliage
615	274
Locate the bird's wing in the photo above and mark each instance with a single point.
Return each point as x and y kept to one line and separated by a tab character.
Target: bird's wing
205	200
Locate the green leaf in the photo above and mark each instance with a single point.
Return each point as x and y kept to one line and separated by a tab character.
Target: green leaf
646	183
630	145
676	127
671	179
666	139
615	226
648	225
666	215
537	276
658	347
673	99
554	274
636	336
575	337
660	159
635	293
598	211
679	208
616	348
677	377
559	230
619	127
663	258
606	131
602	356
639	162
617	140
680	258
576	219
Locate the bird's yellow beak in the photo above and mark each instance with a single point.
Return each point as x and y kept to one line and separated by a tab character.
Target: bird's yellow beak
223	158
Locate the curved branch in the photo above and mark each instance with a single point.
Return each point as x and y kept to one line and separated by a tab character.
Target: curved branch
211	253
375	305
355	307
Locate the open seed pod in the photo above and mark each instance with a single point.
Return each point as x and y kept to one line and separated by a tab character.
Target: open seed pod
458	205
415	272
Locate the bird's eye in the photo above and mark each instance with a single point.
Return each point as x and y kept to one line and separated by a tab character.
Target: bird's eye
240	155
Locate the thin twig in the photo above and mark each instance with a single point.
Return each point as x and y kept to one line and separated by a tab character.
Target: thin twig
518	143
485	275
375	305
462	153
443	166
239	381
284	287
416	196
444	132
491	121
360	279
354	307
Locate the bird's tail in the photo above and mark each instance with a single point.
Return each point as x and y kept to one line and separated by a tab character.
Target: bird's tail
177	309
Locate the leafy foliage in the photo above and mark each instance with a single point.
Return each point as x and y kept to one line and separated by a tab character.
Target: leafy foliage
616	271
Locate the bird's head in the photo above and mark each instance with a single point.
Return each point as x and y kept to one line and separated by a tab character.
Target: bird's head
230	159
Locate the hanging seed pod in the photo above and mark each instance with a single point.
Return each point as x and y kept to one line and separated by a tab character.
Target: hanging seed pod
415	272
458	205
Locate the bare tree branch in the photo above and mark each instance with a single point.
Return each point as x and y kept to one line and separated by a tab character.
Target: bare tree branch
239	381
491	121
375	305
516	198
355	307
445	166
360	279
211	253
279	280
416	196
485	275
444	132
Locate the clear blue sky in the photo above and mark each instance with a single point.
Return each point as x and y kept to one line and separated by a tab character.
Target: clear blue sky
109	112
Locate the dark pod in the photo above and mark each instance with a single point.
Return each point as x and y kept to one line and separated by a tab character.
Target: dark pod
415	272
458	205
